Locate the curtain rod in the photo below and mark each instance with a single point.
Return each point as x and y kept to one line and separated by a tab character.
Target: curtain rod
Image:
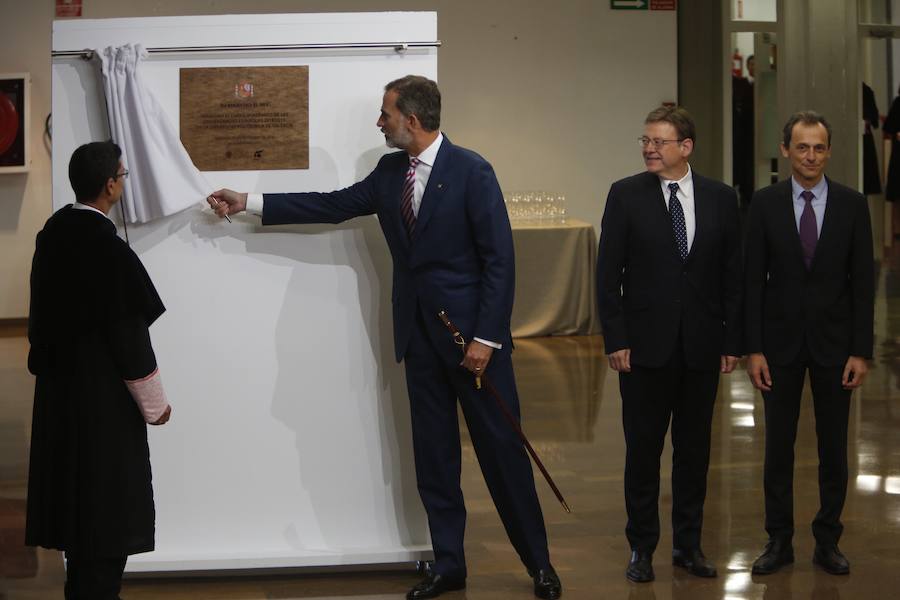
399	47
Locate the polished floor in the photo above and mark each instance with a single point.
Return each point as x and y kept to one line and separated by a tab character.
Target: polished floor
571	409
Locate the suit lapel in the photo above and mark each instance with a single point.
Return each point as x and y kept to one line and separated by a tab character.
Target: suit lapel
659	199
666	217
431	197
830	220
788	220
704	213
395	191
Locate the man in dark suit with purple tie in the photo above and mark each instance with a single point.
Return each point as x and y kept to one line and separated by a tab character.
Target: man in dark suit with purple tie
669	292
442	213
809	306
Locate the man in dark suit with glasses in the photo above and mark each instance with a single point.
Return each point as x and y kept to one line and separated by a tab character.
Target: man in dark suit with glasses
669	279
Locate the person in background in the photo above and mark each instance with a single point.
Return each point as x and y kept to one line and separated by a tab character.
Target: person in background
742	133
871	121
891	129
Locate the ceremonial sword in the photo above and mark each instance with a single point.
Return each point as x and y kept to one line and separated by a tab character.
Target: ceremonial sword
483	380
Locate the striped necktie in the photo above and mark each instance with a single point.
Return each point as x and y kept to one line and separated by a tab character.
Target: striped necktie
406	200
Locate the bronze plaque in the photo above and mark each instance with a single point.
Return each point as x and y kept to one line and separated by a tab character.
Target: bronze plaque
246	118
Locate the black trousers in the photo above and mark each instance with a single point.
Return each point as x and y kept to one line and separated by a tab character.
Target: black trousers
650	398
831	403
89	578
434	388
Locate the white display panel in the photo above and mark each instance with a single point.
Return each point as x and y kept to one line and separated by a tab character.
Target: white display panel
289	443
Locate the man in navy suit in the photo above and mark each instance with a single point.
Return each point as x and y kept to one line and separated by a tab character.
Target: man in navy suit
809	308
443	216
669	290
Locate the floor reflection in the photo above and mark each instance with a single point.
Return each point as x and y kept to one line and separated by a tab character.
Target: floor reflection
560	381
572	413
17	561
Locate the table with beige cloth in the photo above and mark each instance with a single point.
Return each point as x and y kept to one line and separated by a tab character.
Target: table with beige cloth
555	274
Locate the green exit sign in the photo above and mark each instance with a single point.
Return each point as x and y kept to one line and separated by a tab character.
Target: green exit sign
629	4
643	4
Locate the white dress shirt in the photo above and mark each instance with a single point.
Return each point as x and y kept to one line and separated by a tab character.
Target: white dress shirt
685	195
423	171
820	199
80	206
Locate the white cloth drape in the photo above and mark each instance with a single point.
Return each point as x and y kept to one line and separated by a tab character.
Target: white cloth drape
162	179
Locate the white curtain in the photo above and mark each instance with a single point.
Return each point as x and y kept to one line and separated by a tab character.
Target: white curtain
162	180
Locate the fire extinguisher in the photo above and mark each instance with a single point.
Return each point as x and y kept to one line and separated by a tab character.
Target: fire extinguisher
737	64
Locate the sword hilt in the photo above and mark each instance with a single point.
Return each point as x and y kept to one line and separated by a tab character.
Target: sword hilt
458	339
457	336
513	421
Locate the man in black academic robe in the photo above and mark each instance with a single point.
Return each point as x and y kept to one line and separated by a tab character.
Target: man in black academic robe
97	385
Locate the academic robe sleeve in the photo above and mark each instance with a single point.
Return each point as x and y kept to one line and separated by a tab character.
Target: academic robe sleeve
136	306
129	339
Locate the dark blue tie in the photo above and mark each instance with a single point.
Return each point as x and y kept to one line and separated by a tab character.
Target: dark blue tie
678	226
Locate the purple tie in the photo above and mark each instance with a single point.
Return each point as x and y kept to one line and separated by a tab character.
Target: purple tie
406	207
808	231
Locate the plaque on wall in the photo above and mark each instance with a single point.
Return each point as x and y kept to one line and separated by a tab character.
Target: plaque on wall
246	118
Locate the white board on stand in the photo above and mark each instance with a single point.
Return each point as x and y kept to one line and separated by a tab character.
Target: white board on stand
289	444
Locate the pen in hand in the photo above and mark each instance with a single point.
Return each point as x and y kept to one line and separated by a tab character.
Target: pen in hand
217	205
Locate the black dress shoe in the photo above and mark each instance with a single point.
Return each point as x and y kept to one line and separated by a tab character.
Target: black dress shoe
434	585
831	559
778	553
694	561
640	567
546	584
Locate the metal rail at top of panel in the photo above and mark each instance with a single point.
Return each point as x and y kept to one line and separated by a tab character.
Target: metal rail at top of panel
399	47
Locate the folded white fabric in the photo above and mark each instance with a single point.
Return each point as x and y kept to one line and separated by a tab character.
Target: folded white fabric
162	179
150	396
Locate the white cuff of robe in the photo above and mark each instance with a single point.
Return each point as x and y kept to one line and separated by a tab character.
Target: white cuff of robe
255	204
493	345
149	395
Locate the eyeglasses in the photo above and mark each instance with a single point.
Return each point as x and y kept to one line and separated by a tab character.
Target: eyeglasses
644	141
123	175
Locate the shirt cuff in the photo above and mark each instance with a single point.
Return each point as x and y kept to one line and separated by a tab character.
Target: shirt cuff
149	395
255	204
493	345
